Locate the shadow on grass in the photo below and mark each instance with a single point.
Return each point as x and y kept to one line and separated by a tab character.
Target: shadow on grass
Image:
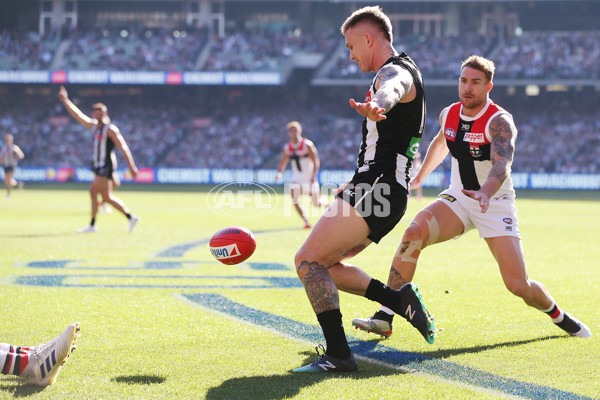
17	387
371	343
443	353
139	379
287	385
367	345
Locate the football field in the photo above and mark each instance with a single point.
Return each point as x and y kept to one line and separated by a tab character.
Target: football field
161	318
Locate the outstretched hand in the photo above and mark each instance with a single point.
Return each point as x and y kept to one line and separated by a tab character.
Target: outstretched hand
62	93
374	113
484	199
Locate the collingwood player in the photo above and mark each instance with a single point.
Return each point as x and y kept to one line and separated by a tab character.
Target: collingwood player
10	154
106	137
373	202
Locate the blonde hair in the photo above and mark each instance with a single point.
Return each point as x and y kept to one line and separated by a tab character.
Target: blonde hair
294	124
373	15
480	64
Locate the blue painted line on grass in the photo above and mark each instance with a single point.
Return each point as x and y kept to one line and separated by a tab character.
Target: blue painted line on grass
254	282
163	264
375	351
268	266
48	264
180	249
83	265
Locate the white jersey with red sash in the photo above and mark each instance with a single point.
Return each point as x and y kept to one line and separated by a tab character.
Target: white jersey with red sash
469	142
302	165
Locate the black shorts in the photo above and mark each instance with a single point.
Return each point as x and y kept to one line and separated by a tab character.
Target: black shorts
105	171
8	168
380	200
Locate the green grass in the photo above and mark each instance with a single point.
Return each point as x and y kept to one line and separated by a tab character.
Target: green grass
141	340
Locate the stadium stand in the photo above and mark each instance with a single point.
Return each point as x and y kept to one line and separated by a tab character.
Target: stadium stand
205	128
27	50
133	49
180	135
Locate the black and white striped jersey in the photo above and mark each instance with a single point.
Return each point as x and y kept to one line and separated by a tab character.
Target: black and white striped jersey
388	147
104	148
8	156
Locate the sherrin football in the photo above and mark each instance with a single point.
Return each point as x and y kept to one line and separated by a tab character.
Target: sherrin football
232	245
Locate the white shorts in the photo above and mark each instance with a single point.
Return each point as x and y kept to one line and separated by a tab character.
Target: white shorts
305	188
500	219
301	177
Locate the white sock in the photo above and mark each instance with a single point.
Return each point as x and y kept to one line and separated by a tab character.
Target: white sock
387	310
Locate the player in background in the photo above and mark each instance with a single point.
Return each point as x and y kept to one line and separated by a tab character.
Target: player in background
106	137
480	136
369	206
416	167
10	154
305	168
39	365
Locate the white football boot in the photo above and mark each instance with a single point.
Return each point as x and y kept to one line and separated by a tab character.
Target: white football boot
46	362
573	326
133	222
88	229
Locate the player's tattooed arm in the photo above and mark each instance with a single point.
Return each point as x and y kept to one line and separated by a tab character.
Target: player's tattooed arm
319	286
503	133
393	83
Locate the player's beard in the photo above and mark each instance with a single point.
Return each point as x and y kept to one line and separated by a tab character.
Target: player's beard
472	103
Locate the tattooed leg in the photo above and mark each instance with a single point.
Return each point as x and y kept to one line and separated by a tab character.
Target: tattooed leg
396	280
319	286
355	250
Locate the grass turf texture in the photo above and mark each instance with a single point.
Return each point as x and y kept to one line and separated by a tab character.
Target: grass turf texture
140	339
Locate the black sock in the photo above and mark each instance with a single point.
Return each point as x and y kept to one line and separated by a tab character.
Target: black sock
333	330
128	215
93	221
383	294
384	316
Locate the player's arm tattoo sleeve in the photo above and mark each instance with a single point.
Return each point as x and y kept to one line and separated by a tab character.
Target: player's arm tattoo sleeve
394	83
503	133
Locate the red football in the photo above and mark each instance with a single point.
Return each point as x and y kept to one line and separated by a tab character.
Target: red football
232	245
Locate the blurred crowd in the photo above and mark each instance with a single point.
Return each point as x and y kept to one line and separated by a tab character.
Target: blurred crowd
250	134
552	54
253	136
132	49
532	55
437	58
264	51
572	55
565	141
27	51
